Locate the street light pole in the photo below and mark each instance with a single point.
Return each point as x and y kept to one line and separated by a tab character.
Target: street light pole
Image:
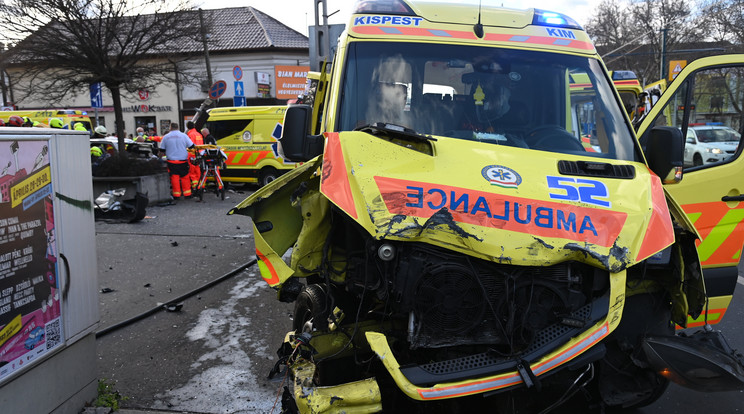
205	37
322	45
662	64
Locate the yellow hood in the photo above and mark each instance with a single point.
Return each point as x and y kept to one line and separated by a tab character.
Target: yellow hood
499	203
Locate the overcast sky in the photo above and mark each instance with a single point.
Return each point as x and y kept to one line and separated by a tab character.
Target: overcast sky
298	14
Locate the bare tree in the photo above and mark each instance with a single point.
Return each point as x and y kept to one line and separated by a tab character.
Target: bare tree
60	47
724	20
671	21
631	32
612	29
611	24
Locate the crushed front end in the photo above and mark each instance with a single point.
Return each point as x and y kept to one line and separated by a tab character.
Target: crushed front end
476	228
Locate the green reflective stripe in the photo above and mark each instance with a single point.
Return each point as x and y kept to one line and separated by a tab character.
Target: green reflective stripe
713	316
264	270
720	233
694	216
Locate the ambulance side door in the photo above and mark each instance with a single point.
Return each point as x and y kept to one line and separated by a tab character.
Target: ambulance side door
709	94
235	137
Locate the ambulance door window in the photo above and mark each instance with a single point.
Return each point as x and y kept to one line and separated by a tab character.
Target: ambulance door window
715	117
713	111
237	129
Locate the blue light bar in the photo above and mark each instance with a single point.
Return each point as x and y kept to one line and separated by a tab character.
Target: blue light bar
548	18
382	6
623	75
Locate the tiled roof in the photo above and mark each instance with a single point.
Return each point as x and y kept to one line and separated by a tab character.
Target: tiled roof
244	28
231	30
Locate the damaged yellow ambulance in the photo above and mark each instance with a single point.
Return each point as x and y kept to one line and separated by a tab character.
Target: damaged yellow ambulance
451	245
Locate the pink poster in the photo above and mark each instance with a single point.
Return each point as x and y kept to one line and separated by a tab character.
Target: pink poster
30	311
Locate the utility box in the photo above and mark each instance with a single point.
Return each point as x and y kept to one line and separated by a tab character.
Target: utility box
48	279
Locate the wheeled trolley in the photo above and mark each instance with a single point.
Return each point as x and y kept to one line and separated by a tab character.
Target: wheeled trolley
211	159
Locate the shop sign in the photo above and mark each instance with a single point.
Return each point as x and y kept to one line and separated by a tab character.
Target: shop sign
290	81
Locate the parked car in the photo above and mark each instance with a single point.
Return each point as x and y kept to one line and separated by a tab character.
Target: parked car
707	144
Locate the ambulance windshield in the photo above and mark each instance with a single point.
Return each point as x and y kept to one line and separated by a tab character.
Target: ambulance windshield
537	100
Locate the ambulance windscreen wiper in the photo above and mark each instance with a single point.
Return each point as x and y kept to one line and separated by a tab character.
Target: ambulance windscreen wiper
393	131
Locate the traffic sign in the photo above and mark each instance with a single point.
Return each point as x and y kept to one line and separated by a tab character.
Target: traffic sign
675	67
96	95
239	90
218	89
238	73
239	101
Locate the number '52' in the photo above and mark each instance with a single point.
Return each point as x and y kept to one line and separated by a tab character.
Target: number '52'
579	189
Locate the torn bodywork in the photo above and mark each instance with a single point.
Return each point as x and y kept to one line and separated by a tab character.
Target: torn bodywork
401	307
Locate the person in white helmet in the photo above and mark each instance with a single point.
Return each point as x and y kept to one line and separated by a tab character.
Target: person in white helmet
100	132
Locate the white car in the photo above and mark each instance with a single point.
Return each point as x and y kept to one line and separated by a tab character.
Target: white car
710	143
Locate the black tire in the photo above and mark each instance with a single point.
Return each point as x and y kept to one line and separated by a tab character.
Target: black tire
310	311
623	384
651	398
267	175
697	160
659	387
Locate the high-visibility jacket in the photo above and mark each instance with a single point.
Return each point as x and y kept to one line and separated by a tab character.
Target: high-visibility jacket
196	136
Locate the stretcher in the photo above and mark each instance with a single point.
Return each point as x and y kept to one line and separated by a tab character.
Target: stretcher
210	159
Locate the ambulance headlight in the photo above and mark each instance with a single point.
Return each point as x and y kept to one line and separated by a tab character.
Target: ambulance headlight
548	18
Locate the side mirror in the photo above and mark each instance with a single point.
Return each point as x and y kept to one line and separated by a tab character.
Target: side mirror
690	140
296	142
665	153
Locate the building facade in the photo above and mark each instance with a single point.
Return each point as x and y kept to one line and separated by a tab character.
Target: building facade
248	50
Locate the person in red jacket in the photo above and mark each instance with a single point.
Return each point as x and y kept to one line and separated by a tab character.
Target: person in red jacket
197	139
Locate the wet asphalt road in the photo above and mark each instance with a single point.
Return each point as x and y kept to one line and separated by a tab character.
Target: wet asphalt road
214	354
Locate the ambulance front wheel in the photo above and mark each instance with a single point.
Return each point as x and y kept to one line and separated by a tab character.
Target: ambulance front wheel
267	175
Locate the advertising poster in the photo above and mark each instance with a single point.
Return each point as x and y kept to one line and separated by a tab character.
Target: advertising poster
263	85
30	311
290	81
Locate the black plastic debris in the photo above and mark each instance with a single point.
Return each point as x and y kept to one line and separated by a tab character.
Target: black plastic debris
107	290
110	207
174	244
